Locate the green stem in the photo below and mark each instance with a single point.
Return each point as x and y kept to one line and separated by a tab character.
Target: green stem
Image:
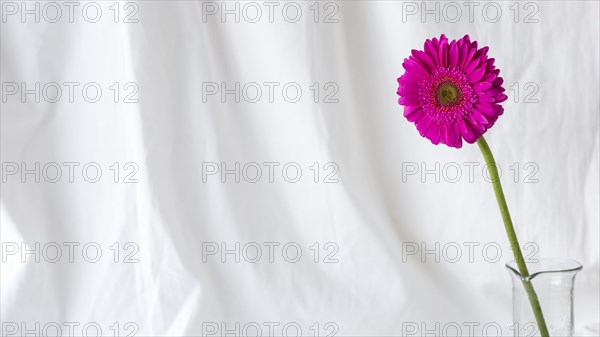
512	236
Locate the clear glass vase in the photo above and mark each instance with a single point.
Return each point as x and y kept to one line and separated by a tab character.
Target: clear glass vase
553	281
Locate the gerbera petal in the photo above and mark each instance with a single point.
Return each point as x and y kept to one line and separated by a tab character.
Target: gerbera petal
491	92
445	137
454	136
408	80
486	99
412	113
481	53
453	57
492	121
409	109
481	86
486	108
466	132
434	133
442	52
500	98
419	62
451	135
478	127
489	77
472	66
407	90
423	124
409	100
500	110
477	75
424	58
462	55
414	116
436	44
415	68
459	143
479	117
467	59
431	52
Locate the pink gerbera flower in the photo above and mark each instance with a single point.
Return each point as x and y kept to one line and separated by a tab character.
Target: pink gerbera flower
451	91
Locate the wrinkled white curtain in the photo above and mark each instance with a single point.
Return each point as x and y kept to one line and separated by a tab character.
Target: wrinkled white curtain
189	168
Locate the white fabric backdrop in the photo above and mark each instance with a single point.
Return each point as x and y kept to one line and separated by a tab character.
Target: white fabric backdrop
172	130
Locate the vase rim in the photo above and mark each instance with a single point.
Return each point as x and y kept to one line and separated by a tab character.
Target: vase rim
545	266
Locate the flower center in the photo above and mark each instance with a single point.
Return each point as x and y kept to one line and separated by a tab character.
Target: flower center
447	94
